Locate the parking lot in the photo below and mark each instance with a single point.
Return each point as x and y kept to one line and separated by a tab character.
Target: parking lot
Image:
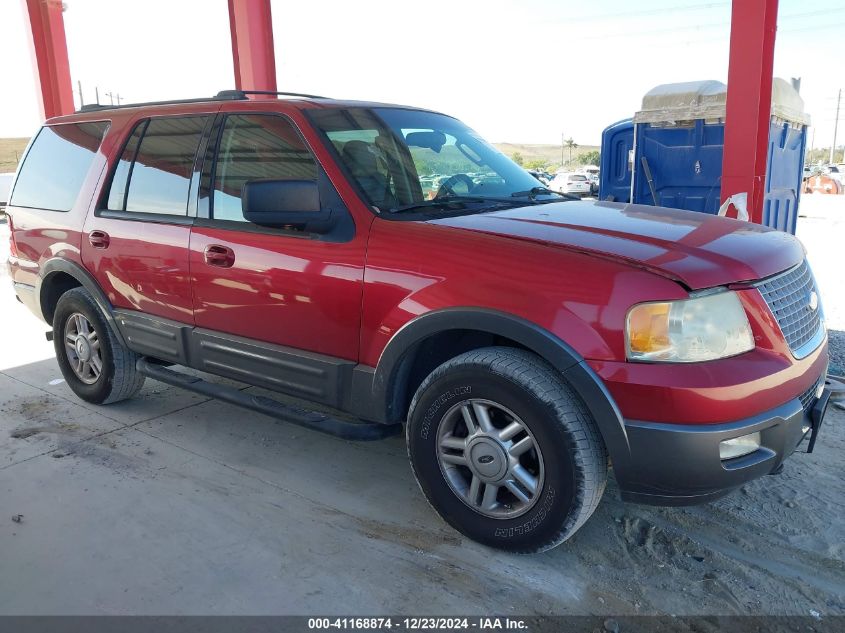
174	504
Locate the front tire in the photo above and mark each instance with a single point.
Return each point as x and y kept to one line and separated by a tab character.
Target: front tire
505	451
95	365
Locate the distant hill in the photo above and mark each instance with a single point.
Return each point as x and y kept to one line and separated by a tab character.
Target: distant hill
548	153
11	150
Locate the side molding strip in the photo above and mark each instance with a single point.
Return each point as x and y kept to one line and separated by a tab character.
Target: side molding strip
308	419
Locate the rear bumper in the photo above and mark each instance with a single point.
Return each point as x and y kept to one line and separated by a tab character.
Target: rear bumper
27	296
676	464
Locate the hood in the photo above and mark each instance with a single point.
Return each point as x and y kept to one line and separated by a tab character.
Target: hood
699	250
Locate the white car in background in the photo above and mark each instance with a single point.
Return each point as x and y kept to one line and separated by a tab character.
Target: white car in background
5	187
573	184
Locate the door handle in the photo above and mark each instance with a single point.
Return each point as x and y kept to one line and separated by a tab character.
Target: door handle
99	239
218	255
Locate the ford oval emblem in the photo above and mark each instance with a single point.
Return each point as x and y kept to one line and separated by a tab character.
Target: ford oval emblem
813	301
485	459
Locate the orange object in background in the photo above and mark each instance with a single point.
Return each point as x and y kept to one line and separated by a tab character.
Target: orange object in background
822	183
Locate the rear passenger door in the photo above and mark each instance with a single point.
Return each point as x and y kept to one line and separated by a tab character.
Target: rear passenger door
278	291
136	241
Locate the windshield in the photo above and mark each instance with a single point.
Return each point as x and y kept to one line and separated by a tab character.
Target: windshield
406	158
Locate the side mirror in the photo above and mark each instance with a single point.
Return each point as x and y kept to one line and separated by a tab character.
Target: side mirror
276	203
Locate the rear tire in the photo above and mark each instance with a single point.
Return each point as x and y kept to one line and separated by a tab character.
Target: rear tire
541	451
95	365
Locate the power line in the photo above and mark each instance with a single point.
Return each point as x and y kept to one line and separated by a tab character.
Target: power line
647	12
815	27
835	124
711	25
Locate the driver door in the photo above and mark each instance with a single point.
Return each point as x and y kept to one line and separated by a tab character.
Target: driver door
272	306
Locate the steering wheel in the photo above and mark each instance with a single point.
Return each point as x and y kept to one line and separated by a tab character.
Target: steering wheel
447	187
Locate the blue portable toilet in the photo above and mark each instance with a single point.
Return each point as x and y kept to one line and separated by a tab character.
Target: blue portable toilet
677	140
617	154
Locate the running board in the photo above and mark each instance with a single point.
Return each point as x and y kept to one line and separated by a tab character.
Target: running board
360	431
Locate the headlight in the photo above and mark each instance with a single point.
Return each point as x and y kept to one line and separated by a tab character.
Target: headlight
688	331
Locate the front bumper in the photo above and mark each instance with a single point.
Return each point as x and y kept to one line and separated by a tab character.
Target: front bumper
677	464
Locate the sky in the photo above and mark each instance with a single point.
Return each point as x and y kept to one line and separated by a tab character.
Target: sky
521	71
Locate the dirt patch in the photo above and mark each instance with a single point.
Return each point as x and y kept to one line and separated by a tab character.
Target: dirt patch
415	537
773	547
40	410
30	431
37	408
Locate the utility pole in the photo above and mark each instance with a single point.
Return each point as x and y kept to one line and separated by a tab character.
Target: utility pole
562	142
97	94
81	98
835	126
110	95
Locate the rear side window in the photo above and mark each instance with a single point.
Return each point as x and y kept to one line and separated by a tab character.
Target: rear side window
154	172
56	165
256	147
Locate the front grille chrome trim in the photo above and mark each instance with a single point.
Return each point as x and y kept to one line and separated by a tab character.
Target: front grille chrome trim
787	296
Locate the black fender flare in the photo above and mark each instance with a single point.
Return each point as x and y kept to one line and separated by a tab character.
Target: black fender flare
86	280
545	344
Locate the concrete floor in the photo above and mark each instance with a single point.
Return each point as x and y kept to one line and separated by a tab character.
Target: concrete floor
173	504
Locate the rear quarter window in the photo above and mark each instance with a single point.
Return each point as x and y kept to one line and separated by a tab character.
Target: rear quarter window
56	165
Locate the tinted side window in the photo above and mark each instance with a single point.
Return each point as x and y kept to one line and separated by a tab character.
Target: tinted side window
56	165
256	147
159	170
117	190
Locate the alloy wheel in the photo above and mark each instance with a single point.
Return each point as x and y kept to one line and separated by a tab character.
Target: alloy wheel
82	348
490	458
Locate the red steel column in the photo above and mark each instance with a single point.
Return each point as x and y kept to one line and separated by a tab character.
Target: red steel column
47	33
252	44
753	26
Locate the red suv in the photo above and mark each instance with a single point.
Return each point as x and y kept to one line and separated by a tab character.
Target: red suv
388	264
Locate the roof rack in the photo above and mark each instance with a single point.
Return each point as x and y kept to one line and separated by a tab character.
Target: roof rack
242	94
223	95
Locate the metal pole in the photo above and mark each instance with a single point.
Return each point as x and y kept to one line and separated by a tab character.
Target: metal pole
81	98
562	141
835	127
47	37
253	55
97	94
747	120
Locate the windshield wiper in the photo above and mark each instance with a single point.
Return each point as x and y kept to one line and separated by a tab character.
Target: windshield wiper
541	191
448	202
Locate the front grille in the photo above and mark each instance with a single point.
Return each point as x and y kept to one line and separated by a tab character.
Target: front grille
788	297
808	398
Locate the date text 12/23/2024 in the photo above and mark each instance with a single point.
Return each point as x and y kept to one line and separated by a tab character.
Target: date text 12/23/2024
418	624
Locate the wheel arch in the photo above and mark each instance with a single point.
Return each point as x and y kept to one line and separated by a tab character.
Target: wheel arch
59	275
394	382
